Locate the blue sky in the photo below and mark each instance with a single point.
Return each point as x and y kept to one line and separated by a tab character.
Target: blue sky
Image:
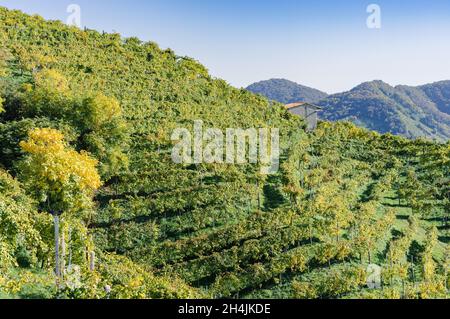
324	44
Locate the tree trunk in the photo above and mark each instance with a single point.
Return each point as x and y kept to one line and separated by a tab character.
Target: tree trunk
337	232
70	247
57	263
63	255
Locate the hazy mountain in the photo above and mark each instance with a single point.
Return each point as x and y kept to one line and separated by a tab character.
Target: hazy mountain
286	91
402	110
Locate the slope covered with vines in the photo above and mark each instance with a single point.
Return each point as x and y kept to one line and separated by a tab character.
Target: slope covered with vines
343	198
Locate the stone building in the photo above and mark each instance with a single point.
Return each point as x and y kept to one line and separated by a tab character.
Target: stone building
307	111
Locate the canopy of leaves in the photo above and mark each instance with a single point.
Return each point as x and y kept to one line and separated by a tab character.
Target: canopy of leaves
62	179
19	225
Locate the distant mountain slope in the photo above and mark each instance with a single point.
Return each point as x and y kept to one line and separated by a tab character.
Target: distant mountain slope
285	91
413	112
422	111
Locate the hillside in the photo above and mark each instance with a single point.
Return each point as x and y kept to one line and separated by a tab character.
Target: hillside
86	120
286	92
413	112
403	110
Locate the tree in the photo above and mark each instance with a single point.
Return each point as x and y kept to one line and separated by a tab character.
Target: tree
415	193
18	225
97	119
428	263
104	132
60	179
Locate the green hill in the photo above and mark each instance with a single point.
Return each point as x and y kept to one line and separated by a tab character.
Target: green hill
286	92
403	110
413	112
344	197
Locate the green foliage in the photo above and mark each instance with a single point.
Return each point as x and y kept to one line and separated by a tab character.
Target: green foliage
13	132
5	57
95	119
19	225
131	281
165	230
26	284
1	105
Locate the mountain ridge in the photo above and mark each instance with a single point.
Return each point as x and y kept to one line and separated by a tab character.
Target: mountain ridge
286	91
410	111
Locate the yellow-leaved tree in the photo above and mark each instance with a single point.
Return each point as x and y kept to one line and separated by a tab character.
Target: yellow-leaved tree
61	180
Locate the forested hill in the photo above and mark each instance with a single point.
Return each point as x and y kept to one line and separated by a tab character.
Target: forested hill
422	111
86	120
285	91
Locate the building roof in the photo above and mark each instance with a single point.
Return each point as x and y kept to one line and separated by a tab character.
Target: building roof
292	105
298	104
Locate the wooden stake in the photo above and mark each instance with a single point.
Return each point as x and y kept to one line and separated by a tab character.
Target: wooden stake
57	264
92	261
63	254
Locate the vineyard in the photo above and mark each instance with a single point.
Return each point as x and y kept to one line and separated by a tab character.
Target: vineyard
85	125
